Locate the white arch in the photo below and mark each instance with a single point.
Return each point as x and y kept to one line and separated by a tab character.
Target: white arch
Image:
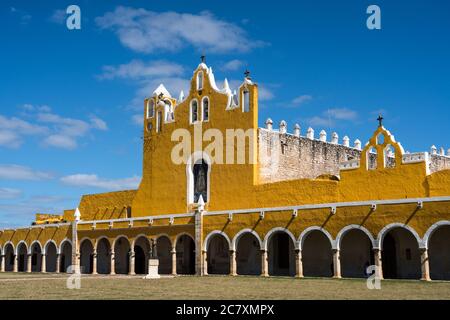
184	234
18	245
88	239
307	231
431	230
100	239
212	234
62	244
44	249
241	233
138	237
32	244
346	229
203	109
391	226
12	246
275	230
113	247
193	159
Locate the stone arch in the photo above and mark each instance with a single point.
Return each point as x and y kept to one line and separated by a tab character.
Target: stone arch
247	244
316	245
122	250
86	256
9	252
65	254
400	252
355	244
164	249
21	256
185	254
217	245
437	240
141	248
35	254
50	256
280	244
103	250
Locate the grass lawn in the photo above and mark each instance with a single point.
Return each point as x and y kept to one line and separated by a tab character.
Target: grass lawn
53	286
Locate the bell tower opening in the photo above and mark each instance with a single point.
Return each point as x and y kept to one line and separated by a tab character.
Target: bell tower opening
200	172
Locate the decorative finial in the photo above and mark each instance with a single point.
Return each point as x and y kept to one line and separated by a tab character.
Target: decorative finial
203	58
247	74
380	120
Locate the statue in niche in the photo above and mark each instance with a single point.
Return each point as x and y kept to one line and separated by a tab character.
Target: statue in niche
201	181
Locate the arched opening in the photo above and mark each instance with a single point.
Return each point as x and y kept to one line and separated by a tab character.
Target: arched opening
205	108
164	252
86	256
200	80
141	255
122	253
371	157
246	100
9	257
36	257
103	256
248	255
356	254
22	257
389	157
218	255
65	256
150	108
185	248
281	255
194	111
50	257
439	253
400	255
317	255
200	172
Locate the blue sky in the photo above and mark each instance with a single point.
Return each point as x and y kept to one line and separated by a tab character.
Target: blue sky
70	101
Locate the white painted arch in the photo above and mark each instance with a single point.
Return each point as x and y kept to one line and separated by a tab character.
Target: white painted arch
307	231
44	250
214	233
431	230
389	227
61	245
241	233
113	246
18	245
6	245
193	159
275	230
139	236
350	227
32	244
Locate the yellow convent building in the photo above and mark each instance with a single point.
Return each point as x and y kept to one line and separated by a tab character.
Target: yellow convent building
219	195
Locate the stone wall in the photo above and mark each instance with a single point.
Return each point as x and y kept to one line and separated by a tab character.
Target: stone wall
439	162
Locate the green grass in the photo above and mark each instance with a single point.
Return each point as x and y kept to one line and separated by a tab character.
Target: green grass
53	286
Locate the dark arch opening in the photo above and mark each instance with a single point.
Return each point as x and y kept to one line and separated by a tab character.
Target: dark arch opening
317	256
86	257
281	255
218	255
439	253
65	257
50	257
356	254
185	249
103	256
164	252
248	255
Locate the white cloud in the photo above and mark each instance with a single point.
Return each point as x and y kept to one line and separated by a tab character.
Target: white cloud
148	31
7	193
58	16
265	94
302	99
137	69
98	123
61	141
92	180
233	65
330	116
137	119
17	172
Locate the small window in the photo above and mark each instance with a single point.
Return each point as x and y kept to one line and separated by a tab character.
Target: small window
200	81
159	122
150	108
128	212
206	109
372	158
194	111
246	100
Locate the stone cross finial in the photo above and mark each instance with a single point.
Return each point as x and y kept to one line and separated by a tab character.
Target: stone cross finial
269	124
346	141
334	138
283	126
203	58
310	133
247	74
297	130
77	215
380	120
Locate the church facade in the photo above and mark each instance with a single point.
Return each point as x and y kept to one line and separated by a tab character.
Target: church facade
219	195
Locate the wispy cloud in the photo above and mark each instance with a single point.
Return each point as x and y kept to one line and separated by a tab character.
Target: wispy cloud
233	65
23	16
8	193
300	100
92	180
59	16
17	172
148	31
331	116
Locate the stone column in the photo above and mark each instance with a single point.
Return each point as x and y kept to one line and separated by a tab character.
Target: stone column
425	263
378	263
77	264
16	263
94	262
113	262
43	263
174	261
2	263
131	264
336	264
298	263
199	261
28	262
264	263
58	262
205	263
233	265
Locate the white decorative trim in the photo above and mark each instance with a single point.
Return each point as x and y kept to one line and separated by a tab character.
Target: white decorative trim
350	227
214	233
389	227
349	165
141	235
62	243
32	244
241	233
275	230
12	246
193	159
203	109
415	157
44	250
431	230
18	245
190	112
113	246
307	231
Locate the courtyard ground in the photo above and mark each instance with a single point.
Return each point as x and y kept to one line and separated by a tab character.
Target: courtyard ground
53	286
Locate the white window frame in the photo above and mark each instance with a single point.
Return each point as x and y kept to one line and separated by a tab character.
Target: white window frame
203	109
152	108
245	93
159	121
195	158
191	113
200	84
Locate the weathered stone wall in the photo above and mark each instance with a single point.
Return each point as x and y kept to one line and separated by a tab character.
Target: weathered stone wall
439	162
284	156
